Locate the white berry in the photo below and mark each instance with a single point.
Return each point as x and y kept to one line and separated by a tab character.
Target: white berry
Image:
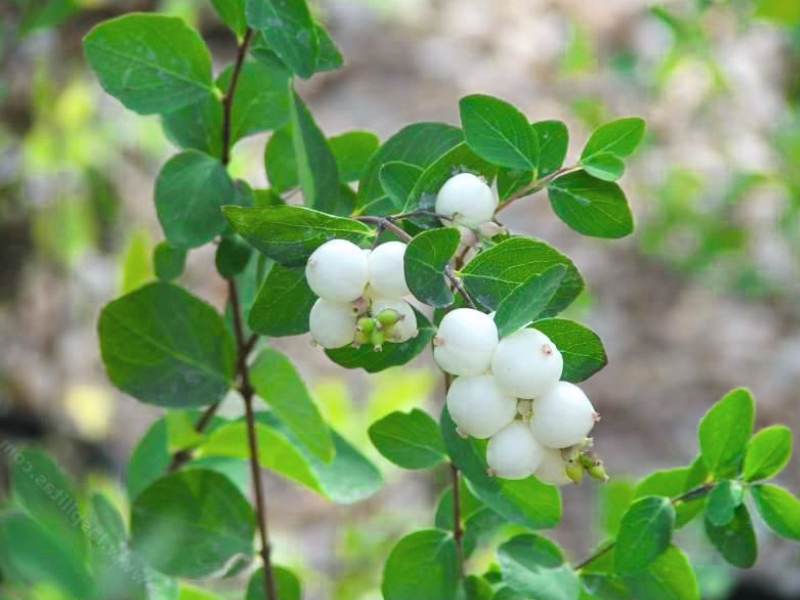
332	324
406	326
479	407
467	198
527	364
514	453
553	469
338	271
387	278
465	342
562	417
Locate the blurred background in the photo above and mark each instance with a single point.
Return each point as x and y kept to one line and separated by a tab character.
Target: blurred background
704	297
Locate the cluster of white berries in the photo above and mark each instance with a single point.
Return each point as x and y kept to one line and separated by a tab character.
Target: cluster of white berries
509	390
361	295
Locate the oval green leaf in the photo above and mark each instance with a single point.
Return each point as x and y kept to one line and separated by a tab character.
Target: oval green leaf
499	132
527	302
767	453
283	303
289	30
422	565
192	524
735	540
190	191
620	138
779	509
724	431
163	360
426	259
151	63
533	566
289	234
669	577
591	206
644	533
409	440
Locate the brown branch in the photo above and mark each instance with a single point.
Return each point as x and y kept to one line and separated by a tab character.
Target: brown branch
692	494
534	187
227	99
248	394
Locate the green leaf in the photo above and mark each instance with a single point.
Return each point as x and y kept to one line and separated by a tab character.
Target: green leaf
40	487
231	12
724	432
580	347
528	301
477	588
275	380
510	181
329	57
398	180
672	483
43	14
498	132
723	501
290	31
149	459
409	440
492	275
197	126
767	453
426	259
735	540
192	523
620	138
190	190
286	583
283	303
151	63
280	160
289	234
526	502
261	101
29	554
353	151
553	141
604	165
458	159
644	533
168	262
165	347
614	499
136	266
669	577
779	509
118	573
591	206
392	355
533	566
349	478
423	564
232	256
605	587
420	144
317	172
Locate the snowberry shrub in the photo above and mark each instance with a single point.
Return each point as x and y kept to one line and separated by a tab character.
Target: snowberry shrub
396	248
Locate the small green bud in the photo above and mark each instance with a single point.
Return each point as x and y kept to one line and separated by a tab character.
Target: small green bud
574	471
588	459
365	325
377	338
598	472
388	317
362	337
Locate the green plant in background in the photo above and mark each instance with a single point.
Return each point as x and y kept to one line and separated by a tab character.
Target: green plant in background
422	223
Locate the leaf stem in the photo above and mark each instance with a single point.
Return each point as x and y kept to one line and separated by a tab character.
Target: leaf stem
184	455
227	98
535	186
692	494
388	223
248	393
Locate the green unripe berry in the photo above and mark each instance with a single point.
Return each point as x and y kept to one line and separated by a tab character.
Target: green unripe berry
388	317
365	325
377	338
